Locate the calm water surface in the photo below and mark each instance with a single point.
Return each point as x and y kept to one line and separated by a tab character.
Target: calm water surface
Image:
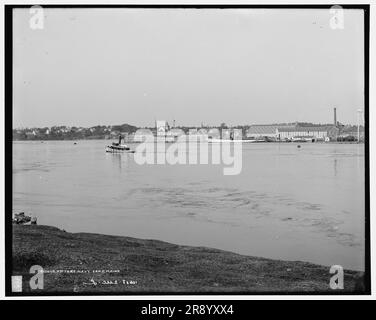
287	203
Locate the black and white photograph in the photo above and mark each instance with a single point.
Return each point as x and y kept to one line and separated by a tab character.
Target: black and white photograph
187	150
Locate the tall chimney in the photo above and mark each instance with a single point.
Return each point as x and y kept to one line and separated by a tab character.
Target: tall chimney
335	117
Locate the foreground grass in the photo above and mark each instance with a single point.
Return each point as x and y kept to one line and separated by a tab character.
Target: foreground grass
116	264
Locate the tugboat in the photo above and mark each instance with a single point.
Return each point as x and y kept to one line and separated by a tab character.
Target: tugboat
118	147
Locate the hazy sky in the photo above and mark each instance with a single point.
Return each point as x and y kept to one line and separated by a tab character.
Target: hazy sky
112	66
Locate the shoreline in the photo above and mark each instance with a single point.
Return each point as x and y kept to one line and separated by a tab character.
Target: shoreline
95	263
253	143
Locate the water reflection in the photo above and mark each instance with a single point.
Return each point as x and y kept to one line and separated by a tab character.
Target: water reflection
117	160
335	167
360	158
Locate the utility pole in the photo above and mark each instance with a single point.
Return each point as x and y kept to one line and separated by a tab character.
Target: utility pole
360	112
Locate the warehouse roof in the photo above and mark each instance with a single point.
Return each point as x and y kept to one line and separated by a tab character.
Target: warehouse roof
309	129
262	129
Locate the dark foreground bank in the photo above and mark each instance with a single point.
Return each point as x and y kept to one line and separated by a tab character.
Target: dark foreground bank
84	262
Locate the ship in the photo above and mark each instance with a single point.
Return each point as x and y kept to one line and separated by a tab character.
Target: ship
118	147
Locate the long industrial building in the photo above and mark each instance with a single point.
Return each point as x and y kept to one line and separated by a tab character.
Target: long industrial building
292	132
314	133
295	131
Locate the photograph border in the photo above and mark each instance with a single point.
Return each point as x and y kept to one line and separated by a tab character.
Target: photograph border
8	143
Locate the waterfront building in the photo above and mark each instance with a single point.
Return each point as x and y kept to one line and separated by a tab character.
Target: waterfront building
348	135
290	132
265	131
313	132
261	131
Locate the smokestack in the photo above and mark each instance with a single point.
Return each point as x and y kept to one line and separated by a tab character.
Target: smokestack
335	117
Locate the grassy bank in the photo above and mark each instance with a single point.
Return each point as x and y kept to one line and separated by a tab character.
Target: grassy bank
116	264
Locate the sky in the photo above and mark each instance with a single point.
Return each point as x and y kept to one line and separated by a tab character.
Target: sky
91	67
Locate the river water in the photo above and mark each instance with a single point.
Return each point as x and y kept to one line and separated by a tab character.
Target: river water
287	203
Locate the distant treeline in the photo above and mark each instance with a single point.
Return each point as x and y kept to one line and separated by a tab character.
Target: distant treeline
72	133
110	132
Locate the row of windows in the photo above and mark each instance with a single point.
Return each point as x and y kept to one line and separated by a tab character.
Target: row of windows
304	133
